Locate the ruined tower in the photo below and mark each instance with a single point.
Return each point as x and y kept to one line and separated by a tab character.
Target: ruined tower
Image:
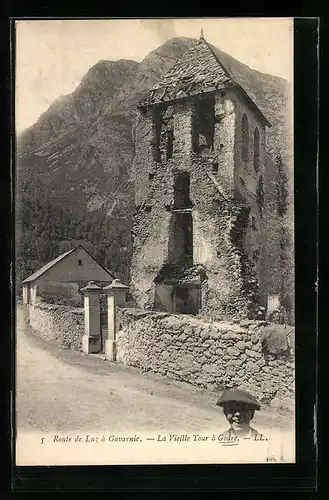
199	166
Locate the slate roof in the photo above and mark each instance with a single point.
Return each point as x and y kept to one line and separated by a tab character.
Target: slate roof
53	262
199	70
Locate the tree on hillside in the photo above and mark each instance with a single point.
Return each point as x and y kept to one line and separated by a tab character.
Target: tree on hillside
286	257
46	224
281	188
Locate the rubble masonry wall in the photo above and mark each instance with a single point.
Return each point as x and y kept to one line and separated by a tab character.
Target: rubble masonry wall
62	325
211	355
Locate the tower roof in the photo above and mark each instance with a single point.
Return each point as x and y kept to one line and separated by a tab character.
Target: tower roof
199	70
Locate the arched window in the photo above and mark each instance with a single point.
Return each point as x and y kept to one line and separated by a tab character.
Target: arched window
256	150
245	138
204	125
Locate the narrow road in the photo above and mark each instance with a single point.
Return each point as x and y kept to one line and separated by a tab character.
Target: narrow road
58	389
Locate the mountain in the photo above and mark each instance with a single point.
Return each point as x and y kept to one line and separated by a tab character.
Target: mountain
74	174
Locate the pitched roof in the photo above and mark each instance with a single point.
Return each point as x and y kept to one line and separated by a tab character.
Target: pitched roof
199	70
53	262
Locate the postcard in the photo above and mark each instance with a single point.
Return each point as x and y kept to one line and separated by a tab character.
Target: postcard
154	231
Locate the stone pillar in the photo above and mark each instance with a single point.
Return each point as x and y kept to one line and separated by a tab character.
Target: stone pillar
120	292
26	293
33	292
116	296
91	340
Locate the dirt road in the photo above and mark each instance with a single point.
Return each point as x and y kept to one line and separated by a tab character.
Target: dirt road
58	389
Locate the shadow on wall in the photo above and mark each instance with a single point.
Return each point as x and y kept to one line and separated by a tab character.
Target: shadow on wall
181	299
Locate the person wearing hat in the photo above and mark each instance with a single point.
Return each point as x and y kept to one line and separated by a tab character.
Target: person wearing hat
239	408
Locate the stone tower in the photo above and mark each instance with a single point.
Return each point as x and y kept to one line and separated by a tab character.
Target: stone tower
199	165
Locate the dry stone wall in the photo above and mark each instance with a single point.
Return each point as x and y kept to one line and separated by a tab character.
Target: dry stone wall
213	356
59	324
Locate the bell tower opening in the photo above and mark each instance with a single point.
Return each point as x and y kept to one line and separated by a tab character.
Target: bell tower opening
163	134
204	125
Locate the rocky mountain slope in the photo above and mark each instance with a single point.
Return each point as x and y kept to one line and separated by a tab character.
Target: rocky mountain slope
77	157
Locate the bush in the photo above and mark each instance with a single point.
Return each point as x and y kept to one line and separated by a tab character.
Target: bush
274	340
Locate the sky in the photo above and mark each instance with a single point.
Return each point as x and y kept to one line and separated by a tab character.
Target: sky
52	56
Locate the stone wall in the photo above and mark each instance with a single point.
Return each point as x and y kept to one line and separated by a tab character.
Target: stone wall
245	170
59	324
247	182
213	356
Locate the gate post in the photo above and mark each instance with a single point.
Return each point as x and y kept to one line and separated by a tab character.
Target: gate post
116	296
26	290
91	340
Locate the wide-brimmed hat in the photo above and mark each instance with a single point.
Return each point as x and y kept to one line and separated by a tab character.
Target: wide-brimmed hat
238	396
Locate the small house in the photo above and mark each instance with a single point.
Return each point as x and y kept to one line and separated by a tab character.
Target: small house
63	277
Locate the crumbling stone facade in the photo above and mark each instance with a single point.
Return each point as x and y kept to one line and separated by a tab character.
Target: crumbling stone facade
199	165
